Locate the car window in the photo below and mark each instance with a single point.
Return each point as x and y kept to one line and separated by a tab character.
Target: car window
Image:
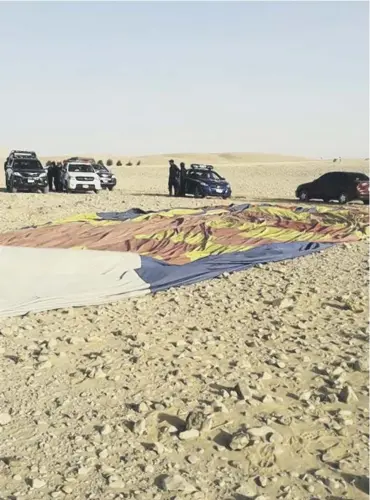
80	168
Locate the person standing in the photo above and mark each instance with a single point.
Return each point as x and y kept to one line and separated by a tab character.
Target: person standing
51	175
182	179
173	179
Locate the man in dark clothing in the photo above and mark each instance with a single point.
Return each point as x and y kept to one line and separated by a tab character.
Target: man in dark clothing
51	175
182	178
57	174
173	179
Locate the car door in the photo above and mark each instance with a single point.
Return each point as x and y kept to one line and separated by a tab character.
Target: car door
190	182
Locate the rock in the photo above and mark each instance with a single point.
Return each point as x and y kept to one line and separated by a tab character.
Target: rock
105	430
248	490
116	483
192	459
37	483
266	376
285	303
260	431
240	440
262	481
243	391
139	427
359	366
348	395
158	448
195	420
5	418
176	483
267	399
305	396
142	407
190	434
103	454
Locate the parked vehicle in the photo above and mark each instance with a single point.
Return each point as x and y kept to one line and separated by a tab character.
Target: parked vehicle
107	179
24	172
340	186
79	176
203	180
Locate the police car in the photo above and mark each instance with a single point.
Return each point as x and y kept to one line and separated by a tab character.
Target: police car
24	172
107	179
203	180
79	176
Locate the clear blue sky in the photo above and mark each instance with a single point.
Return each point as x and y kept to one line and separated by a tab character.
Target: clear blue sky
148	77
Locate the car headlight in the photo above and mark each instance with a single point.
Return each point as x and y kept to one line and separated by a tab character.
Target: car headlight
113	176
204	184
17	174
44	174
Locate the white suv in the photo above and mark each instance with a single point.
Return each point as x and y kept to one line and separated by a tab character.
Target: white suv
78	176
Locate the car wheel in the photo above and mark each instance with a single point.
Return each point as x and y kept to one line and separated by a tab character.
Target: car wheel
225	197
198	192
96	191
111	188
13	189
366	202
303	196
343	198
45	190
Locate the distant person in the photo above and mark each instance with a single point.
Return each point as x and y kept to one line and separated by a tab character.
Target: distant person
182	179
173	178
58	177
51	175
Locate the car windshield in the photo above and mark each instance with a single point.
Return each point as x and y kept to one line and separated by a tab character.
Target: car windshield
80	168
27	165
208	175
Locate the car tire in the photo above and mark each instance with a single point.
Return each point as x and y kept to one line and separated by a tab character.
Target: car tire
111	188
343	198
225	197
13	189
303	196
366	202
96	191
45	190
198	192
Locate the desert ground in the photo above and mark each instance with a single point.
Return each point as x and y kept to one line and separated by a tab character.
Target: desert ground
95	401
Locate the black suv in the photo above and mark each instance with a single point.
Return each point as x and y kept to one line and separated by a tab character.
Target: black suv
340	186
107	179
24	172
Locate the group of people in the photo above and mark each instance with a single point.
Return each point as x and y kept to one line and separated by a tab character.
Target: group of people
55	176
176	179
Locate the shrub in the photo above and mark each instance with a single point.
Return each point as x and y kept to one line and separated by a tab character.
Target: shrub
128	164
109	162
119	163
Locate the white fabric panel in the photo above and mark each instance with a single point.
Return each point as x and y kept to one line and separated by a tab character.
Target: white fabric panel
40	279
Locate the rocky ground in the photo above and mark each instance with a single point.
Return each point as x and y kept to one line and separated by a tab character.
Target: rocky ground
253	385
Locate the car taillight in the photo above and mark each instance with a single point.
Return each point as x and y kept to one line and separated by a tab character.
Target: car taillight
363	187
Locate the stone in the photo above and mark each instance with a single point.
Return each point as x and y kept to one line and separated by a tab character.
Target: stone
37	483
243	391
5	418
359	366
248	490
305	396
190	434
348	395
267	399
195	420
240	440
139	427
105	430
262	481
192	459
176	483
285	303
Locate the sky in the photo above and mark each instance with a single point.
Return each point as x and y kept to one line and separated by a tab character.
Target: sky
136	78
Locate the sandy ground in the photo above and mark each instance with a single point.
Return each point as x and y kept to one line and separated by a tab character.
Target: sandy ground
94	401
